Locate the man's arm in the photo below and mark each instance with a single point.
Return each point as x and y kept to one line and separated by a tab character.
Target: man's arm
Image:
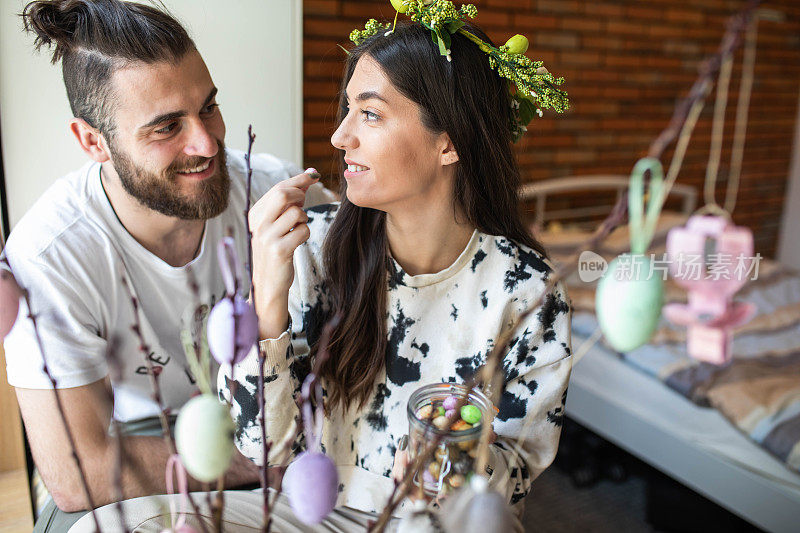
88	411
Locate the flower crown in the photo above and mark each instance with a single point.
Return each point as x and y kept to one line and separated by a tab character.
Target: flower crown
531	85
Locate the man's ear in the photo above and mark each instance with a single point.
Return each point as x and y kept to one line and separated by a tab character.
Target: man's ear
449	154
90	140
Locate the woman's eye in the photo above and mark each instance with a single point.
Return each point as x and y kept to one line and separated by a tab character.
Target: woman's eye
370	116
167	129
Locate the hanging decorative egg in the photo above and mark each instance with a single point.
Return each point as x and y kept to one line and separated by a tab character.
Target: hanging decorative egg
476	509
711	258
311	483
204	437
630	294
10	293
628	302
225	317
418	519
232	316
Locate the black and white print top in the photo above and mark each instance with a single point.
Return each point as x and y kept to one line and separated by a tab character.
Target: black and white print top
440	328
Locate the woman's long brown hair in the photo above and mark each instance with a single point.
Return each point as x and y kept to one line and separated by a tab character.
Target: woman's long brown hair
469	101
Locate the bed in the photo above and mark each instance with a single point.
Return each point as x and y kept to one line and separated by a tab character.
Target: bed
730	433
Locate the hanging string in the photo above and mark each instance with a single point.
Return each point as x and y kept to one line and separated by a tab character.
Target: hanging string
745	89
740	128
717	131
680	147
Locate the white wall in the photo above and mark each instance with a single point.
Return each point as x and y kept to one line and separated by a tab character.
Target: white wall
789	237
253	49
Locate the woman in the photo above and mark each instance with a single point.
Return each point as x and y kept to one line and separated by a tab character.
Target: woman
427	261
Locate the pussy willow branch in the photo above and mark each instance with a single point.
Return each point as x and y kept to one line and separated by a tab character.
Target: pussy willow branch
155	388
250	140
62	414
119	452
265	444
322	356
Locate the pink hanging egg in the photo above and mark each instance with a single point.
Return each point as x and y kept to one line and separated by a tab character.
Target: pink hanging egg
311	483
10	294
221	328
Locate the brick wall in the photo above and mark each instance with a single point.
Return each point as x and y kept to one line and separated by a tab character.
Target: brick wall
626	64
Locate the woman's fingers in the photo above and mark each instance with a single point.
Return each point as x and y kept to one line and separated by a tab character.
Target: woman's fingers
293	216
303	181
273	204
287	193
400	465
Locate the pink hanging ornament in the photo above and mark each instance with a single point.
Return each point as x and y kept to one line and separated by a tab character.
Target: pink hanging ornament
179	525
711	278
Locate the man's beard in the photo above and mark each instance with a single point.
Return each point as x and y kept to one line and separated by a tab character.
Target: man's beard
158	191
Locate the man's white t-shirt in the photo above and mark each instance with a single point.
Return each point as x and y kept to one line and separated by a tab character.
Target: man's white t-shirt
70	252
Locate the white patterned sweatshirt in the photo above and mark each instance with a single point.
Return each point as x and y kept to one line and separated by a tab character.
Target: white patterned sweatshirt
440	328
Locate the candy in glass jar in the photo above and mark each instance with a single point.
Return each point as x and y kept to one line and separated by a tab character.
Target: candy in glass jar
429	409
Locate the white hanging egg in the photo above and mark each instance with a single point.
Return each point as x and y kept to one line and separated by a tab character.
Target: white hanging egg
476	509
311	483
204	437
418	519
628	301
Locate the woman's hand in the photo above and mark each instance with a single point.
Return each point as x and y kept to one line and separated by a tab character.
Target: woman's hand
400	460
278	225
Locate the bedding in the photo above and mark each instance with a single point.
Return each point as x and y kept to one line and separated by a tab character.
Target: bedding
759	390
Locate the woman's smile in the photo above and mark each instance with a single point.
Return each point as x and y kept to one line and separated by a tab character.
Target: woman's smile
354	169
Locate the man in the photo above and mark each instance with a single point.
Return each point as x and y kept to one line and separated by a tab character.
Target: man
152	205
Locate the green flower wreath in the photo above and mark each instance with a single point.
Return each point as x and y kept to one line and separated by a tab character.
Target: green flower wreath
531	86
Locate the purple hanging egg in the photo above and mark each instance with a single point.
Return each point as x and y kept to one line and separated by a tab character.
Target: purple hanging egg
311	483
10	294
221	327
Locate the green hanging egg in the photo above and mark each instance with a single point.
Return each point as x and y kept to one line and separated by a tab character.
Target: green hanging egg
628	301
204	437
518	44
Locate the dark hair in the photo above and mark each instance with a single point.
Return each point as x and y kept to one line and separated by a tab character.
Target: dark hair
95	37
471	103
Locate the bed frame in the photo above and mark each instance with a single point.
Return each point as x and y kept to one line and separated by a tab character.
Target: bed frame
540	190
696	446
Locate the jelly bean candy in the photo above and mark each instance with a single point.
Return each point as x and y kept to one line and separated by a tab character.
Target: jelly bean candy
470	414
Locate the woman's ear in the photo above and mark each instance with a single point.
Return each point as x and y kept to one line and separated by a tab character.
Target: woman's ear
448	155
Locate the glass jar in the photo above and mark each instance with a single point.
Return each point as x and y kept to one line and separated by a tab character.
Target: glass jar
454	458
